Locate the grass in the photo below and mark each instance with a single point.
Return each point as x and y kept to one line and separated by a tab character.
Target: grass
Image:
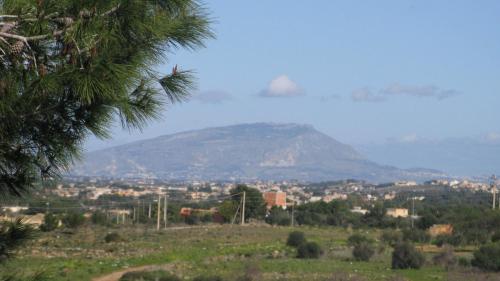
215	250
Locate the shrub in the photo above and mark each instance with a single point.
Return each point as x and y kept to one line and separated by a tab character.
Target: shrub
208	278
50	222
252	273
406	256
295	239
343	276
363	251
495	237
416	235
278	216
73	220
192	220
464	262
113	237
207	218
455	240
391	237
446	258
158	275
309	250
487	257
99	218
357	239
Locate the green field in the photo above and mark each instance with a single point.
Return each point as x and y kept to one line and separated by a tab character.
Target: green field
212	250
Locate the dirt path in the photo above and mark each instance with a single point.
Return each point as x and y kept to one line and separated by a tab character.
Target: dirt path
115	276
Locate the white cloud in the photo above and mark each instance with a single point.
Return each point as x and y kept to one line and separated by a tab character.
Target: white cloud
430	91
396	89
492	137
365	95
282	87
410	138
329	97
212	97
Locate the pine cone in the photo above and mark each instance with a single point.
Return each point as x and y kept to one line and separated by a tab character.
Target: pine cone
17	48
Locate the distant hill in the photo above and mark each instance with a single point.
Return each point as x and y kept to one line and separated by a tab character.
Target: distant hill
458	156
264	151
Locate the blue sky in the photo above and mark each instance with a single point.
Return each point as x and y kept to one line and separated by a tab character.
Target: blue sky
360	71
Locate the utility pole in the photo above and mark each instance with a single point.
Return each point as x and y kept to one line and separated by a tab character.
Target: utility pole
149	211
493	190
158	213
133	218
412	210
165	211
293	213
243	209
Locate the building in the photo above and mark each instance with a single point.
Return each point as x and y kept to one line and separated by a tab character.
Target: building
397	212
440	229
358	210
275	199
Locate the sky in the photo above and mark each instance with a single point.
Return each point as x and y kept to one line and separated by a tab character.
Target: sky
359	71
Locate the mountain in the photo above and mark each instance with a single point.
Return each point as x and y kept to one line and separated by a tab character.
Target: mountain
265	151
456	156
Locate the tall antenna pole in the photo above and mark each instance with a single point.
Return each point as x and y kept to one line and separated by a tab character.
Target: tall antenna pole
243	209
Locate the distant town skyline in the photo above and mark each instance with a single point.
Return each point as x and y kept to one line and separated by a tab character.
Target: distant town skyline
358	71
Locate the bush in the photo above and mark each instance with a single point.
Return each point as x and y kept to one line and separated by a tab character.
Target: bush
357	239
455	240
99	218
159	275
73	220
309	250
113	237
406	256
208	278
363	251
295	239
252	273
391	237
192	220
495	237
50	223
207	218
487	257
278	216
464	262
446	258
416	235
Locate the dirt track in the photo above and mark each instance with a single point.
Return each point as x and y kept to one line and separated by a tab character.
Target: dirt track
115	276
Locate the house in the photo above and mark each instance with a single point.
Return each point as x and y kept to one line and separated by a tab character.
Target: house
397	212
186	212
36	219
440	229
275	199
358	210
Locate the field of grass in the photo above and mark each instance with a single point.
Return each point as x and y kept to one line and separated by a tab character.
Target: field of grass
212	250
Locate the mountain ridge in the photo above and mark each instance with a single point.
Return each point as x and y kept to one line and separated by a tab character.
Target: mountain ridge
251	151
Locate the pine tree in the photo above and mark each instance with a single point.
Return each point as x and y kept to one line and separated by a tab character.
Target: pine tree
70	68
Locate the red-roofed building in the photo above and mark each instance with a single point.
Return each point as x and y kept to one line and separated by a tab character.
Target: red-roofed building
275	199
